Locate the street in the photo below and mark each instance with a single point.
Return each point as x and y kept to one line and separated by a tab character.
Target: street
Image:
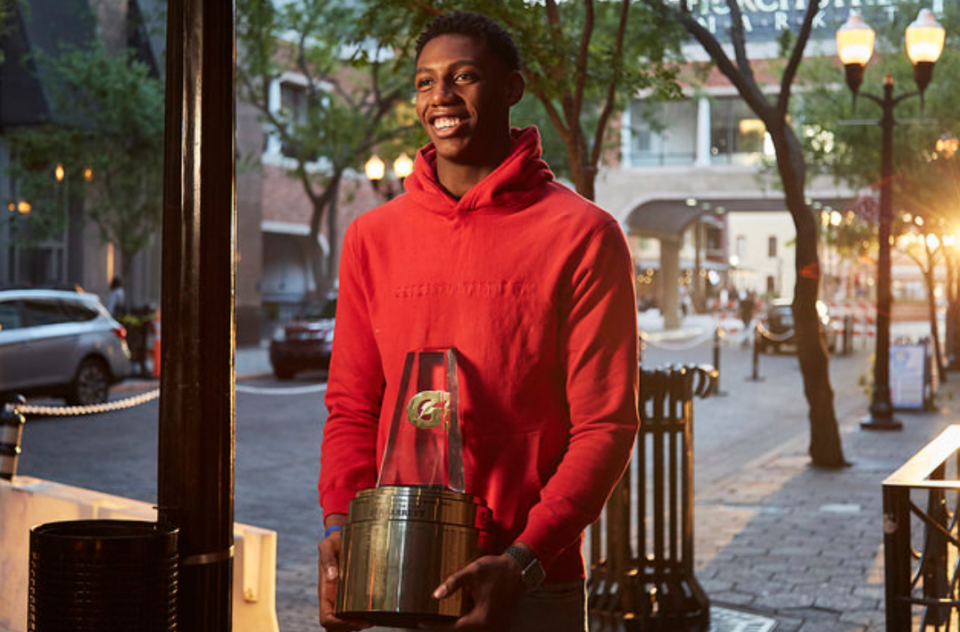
278	439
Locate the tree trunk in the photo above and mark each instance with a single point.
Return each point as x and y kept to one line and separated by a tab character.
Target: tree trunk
930	282
324	267
953	313
333	237
825	446
583	175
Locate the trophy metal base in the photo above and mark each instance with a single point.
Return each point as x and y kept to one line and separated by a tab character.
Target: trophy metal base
399	544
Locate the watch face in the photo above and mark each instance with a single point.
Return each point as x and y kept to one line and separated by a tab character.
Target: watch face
533	575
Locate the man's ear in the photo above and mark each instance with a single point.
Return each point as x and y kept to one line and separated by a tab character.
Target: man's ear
516	87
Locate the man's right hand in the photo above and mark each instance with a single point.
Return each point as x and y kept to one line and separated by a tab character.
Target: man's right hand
329	570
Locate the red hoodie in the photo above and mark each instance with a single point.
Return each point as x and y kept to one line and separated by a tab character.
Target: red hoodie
533	285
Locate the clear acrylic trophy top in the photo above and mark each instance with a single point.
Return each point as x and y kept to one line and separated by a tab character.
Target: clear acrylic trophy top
425	447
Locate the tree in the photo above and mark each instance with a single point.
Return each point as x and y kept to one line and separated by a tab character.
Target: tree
355	98
580	59
825	446
926	185
105	148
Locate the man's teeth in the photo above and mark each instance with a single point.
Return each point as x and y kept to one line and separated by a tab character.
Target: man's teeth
445	122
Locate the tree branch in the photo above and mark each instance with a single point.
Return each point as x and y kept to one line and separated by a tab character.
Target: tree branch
744	82
608	105
581	82
554	115
786	82
739	42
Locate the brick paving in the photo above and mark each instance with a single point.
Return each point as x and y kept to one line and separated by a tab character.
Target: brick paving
804	545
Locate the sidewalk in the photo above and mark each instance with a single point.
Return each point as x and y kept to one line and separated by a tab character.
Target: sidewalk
803	545
249	363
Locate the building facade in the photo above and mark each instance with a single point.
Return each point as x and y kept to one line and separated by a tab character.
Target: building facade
694	187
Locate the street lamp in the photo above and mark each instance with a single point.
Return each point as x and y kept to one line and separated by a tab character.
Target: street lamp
376	170
924	39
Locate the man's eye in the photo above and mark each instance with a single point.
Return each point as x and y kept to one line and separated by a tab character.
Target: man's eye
465	76
421	83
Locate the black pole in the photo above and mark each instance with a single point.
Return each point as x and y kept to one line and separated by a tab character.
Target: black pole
755	377
715	390
196	450
881	409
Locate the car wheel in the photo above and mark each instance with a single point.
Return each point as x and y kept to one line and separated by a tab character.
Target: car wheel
91	384
283	374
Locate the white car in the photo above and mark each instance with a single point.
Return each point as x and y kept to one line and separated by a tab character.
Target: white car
59	343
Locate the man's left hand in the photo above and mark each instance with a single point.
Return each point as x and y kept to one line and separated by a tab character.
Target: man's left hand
492	587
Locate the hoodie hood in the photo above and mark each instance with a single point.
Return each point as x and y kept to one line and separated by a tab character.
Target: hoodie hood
515	183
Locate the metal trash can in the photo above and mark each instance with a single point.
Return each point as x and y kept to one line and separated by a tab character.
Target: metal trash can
102	576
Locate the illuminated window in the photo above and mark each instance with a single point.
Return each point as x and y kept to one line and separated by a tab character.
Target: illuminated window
736	134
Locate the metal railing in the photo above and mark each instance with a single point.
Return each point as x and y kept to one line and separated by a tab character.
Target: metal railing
641	549
922	538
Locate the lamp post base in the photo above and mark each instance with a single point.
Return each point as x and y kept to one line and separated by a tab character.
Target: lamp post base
883	421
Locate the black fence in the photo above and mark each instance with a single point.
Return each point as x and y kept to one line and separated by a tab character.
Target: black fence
641	549
922	538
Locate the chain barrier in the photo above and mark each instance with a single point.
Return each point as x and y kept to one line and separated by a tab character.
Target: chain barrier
143	398
772	337
76	411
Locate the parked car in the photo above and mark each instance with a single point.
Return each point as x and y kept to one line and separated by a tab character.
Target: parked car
777	322
304	343
60	343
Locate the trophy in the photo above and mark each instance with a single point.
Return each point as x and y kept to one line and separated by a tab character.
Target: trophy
417	526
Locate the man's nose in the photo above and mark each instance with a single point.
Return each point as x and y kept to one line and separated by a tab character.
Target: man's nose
444	91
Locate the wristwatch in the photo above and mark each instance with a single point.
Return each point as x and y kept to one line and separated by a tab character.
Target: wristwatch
531	570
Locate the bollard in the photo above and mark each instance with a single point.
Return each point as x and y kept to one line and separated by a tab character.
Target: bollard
847	334
755	377
715	384
11	434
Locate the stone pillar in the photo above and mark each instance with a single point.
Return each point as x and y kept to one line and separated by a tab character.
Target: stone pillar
670	282
703	132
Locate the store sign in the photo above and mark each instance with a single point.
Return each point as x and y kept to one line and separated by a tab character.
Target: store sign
909	378
767	19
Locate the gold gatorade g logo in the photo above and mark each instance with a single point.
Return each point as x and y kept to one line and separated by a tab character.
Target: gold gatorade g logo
429	409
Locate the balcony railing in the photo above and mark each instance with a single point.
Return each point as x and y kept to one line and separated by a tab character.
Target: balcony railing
922	538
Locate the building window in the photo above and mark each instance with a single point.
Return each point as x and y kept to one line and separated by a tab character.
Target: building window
772	247
293	109
736	134
771	285
714	243
741	247
663	133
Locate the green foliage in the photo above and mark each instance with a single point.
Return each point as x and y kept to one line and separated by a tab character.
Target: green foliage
550	61
356	96
109	141
925	181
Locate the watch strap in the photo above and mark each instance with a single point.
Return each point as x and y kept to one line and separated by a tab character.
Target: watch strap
531	570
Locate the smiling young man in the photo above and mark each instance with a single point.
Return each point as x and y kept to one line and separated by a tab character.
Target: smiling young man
532	285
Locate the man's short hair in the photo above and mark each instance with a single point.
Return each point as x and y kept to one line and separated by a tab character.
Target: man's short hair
494	36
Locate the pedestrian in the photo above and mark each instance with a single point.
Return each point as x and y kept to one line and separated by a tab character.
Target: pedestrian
532	285
116	299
